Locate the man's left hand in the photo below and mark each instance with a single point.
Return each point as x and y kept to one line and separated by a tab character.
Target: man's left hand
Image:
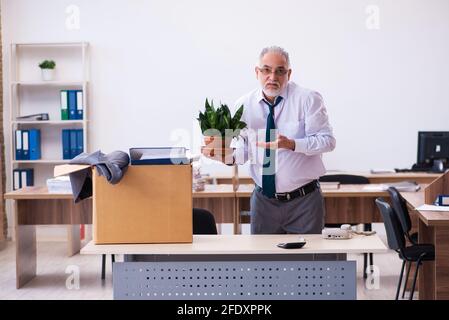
282	142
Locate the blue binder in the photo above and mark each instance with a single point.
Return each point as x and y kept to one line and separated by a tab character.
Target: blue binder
71	101
23	178
162	155
26	177
30	177
25	145
79	104
79	141
35	144
66	144
73	150
19	145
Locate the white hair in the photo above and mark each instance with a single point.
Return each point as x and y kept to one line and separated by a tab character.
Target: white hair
275	49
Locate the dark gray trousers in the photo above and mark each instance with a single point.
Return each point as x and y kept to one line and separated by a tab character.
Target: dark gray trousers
301	215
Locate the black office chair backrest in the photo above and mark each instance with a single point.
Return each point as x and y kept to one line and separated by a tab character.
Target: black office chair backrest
203	222
400	208
395	235
344	179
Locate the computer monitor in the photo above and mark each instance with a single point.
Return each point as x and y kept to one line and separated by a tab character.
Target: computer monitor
433	150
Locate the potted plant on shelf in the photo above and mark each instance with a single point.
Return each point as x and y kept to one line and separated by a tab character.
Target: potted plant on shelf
48	68
219	127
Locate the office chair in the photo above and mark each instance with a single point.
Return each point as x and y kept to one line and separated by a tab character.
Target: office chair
351	179
400	208
203	223
396	241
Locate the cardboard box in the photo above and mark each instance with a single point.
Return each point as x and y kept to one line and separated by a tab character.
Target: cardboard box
151	204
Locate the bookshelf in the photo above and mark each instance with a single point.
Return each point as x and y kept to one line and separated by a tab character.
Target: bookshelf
29	94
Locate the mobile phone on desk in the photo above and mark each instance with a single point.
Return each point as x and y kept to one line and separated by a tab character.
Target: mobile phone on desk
291	245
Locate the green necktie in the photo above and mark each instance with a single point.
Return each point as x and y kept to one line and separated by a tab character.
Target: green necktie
269	161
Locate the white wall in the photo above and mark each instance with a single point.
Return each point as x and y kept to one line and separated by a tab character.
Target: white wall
154	63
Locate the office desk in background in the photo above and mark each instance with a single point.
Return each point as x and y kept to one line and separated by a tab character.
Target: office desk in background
35	206
433	228
238	267
348	204
418	177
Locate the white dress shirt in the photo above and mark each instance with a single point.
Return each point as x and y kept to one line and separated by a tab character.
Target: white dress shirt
302	116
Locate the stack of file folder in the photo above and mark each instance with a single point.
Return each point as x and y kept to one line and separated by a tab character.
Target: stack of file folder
22	178
161	155
28	144
72	143
71	104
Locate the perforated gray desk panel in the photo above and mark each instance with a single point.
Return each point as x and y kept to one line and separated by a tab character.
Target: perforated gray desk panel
242	280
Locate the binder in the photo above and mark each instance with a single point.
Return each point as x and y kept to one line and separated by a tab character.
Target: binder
66	144
19	145
35	144
79	104
71	102
79	141
16	179
25	145
27	177
23	178
72	139
64	105
159	155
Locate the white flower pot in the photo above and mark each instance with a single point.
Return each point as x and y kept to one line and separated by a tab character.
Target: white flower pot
48	74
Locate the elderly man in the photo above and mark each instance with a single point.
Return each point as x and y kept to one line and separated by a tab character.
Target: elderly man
285	161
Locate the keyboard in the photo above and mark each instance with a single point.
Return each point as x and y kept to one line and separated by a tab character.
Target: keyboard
415	169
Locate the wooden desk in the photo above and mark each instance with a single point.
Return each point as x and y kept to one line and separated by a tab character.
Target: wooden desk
238	266
348	204
419	177
246	244
35	206
433	227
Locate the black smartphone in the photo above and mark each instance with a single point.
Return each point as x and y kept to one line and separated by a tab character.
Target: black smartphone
291	245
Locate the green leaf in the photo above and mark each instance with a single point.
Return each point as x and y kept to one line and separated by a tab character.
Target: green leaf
238	114
241	125
226	116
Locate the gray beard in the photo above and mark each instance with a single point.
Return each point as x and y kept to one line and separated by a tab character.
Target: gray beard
271	92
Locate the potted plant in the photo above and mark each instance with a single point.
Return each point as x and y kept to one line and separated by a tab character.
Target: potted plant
47	67
219	127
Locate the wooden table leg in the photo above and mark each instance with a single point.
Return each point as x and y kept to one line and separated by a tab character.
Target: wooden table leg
25	254
427	270
73	239
237	224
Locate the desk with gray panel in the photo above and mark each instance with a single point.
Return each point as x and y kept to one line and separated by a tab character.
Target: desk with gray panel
244	267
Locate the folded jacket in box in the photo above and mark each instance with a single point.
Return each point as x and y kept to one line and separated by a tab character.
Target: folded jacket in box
112	166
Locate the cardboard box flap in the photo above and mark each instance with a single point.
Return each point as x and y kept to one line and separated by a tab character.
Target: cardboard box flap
65	169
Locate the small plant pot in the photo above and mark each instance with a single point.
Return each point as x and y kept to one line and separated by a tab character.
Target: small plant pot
218	149
48	74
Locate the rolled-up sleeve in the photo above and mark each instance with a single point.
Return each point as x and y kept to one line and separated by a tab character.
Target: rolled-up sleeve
319	137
